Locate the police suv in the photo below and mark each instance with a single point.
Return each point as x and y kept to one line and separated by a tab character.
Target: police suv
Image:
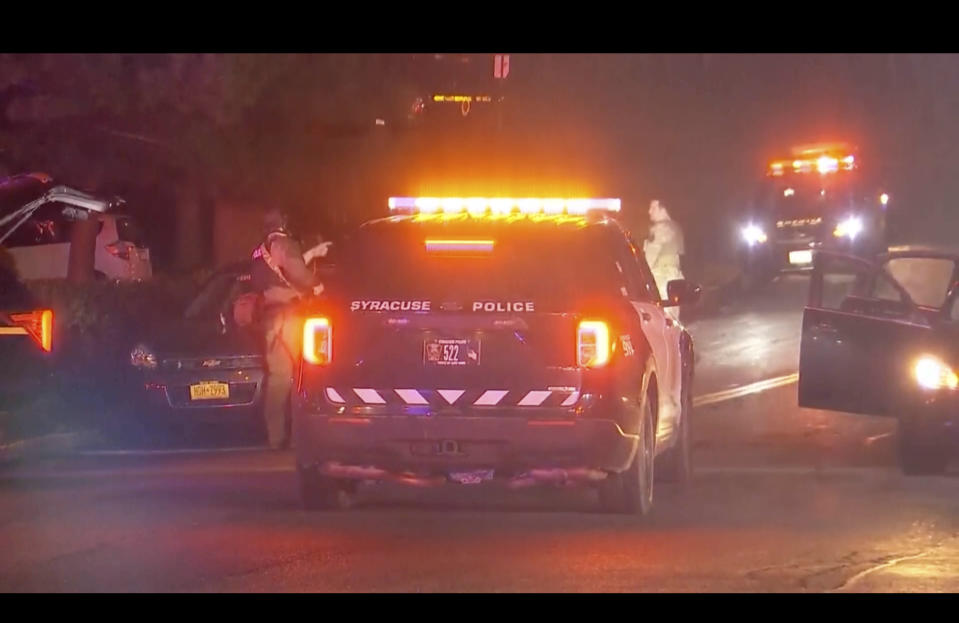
521	341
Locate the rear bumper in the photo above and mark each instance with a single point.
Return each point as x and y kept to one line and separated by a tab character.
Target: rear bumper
436	445
774	256
166	396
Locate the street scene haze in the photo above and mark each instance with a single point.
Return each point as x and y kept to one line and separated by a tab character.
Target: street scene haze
479	323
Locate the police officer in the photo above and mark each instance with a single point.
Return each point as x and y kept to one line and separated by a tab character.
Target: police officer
279	273
664	248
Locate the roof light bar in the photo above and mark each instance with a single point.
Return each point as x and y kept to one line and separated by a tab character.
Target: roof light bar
441	97
822	162
499	205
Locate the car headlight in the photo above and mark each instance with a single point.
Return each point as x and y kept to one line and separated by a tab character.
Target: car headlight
753	234
142	357
932	373
848	228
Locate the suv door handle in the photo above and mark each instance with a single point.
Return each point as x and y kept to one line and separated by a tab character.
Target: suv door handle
646	316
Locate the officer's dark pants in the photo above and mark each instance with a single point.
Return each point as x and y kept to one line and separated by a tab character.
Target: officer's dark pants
282	354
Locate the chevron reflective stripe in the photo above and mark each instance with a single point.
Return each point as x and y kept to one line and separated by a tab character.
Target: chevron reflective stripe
533	398
450	395
490	397
564	397
570	400
411	396
370	396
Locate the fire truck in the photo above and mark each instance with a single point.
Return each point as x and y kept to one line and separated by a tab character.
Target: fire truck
821	197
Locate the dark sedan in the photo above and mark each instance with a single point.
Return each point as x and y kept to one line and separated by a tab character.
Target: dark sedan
204	368
882	338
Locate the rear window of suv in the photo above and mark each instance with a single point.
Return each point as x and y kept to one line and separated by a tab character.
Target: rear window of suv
553	263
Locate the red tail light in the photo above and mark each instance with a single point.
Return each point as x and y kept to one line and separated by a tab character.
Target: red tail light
120	249
318	341
38	325
592	344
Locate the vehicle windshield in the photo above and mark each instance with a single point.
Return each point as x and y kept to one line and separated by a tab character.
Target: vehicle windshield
214	296
807	195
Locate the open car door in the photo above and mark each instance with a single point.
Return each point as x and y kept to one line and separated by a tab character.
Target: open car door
861	336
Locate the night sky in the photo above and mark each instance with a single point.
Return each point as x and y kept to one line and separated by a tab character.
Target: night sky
695	130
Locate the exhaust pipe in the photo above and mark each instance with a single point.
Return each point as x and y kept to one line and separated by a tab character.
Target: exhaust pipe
557	476
366	472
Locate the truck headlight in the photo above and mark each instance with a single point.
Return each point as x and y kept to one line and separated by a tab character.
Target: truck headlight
142	357
932	373
848	228
753	234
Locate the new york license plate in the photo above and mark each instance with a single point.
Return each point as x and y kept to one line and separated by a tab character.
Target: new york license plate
800	257
210	391
451	352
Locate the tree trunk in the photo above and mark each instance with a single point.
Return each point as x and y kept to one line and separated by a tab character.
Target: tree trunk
83	239
237	229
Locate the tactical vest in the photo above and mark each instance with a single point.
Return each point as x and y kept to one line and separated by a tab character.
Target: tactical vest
262	277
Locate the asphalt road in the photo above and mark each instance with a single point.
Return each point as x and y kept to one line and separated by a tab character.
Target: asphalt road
785	499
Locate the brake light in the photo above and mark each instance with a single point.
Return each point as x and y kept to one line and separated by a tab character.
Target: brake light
459	247
318	341
120	249
592	344
38	325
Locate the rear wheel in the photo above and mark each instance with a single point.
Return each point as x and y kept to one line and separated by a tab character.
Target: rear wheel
631	491
921	452
319	492
676	464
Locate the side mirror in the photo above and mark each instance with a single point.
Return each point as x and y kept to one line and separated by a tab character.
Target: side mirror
681	292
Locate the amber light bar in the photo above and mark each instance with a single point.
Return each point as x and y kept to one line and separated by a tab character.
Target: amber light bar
823	164
500	205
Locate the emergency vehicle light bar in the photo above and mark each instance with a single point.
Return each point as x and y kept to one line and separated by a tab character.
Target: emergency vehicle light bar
499	205
824	164
461	98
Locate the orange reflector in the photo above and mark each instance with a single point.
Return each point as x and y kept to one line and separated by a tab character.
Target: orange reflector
46	330
318	341
592	343
38	325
